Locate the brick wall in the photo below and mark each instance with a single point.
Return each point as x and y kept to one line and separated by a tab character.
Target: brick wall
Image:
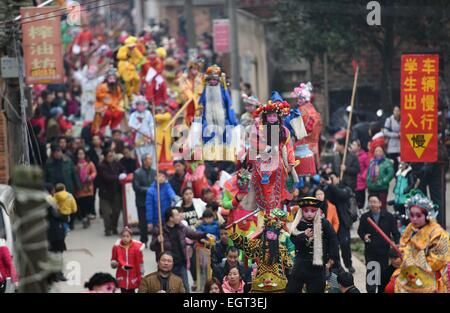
4	169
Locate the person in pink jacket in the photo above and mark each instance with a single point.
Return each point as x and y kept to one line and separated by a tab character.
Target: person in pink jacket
361	184
7	269
233	282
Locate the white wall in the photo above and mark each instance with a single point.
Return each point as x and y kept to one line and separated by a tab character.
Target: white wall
253	53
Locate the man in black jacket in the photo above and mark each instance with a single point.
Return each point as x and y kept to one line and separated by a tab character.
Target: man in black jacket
351	166
177	180
316	246
110	173
339	194
218	252
173	239
142	179
376	248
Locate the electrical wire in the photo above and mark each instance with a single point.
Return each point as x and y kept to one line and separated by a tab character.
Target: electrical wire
81	10
43	14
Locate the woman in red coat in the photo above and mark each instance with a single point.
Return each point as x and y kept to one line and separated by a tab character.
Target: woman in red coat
7	269
128	259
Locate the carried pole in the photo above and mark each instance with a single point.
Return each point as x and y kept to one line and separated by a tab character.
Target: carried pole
177	115
157	176
352	104
384	236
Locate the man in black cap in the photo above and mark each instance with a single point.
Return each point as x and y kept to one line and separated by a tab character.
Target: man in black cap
346	283
316	245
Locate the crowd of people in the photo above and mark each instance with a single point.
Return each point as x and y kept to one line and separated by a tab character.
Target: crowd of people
281	228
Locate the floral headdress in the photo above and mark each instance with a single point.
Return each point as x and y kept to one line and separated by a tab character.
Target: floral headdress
303	91
281	108
275	104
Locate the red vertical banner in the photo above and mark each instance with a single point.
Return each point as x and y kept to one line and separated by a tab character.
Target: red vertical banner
221	36
42	48
419	107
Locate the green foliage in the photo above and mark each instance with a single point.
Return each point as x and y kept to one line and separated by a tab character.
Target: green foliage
310	28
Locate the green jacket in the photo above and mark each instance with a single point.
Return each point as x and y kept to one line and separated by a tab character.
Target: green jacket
71	180
405	183
382	181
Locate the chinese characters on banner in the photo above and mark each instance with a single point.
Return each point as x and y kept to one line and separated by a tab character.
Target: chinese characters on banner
419	107
42	45
221	36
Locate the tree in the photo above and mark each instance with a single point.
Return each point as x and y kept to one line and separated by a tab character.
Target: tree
310	28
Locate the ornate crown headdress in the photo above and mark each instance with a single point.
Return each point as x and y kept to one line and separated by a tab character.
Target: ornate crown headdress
418	199
213	72
303	91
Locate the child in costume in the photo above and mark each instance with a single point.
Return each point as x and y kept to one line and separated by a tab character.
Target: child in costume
425	250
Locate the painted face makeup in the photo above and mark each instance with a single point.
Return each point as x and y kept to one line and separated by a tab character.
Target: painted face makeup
417	217
309	213
272	118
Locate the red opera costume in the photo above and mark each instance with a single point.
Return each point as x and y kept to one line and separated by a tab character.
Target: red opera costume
270	170
311	118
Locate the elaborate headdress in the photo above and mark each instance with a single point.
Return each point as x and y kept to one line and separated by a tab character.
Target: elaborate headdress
111	72
139	99
195	61
161	52
317	237
213	72
171	62
243	179
130	41
303	91
275	104
417	199
252	100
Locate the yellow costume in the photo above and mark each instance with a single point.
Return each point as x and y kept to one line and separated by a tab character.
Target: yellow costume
191	89
130	59
163	139
425	260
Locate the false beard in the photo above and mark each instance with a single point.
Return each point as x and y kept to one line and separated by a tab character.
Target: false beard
214	109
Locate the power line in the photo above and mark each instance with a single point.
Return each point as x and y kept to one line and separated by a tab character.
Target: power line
81	10
58	10
40	14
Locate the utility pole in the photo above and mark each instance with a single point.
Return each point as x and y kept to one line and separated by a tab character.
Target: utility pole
190	26
325	89
235	66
